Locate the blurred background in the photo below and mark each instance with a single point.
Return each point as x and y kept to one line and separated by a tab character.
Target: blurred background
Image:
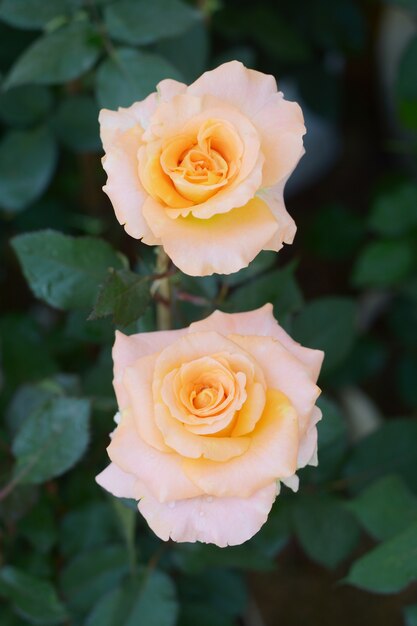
344	548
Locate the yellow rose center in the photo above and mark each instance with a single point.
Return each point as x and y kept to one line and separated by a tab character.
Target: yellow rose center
192	166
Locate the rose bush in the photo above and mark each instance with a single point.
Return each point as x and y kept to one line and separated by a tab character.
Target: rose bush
212	418
201	169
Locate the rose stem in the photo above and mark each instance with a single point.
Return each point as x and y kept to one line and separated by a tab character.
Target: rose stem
163	305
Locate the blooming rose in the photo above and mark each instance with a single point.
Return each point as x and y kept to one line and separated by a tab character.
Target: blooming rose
212	417
201	169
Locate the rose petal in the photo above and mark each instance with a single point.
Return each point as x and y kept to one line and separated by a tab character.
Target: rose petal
283	371
222	521
117	482
260	322
222	244
271	456
160	472
280	124
129	348
169	88
193	446
307	454
246	89
137	383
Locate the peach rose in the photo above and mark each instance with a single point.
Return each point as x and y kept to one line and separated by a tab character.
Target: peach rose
201	170
212	418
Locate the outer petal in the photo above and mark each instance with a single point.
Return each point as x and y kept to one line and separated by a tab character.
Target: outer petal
161	473
248	90
121	132
222	244
307	454
283	371
271	456
281	128
286	230
128	349
222	521
169	88
137	384
260	322
114	123
117	482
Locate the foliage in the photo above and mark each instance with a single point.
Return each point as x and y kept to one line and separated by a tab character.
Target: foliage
70	276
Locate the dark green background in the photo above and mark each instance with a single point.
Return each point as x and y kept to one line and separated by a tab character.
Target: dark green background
69	554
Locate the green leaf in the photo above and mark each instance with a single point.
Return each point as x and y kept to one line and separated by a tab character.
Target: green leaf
39	527
130	77
24	106
394	212
327	531
384	263
386	508
33	599
139	22
86	527
76	124
390	450
149	601
278	287
333	426
327	324
26	400
275	533
188	52
126	517
64	271
27	162
124	295
34	13
410	615
390	567
92	574
52	440
56	58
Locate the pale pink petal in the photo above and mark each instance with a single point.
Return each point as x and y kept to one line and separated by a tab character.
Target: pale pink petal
114	123
292	482
161	473
137	385
117	482
281	128
261	322
223	244
222	521
121	133
285	233
307	453
285	372
128	349
248	90
169	88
